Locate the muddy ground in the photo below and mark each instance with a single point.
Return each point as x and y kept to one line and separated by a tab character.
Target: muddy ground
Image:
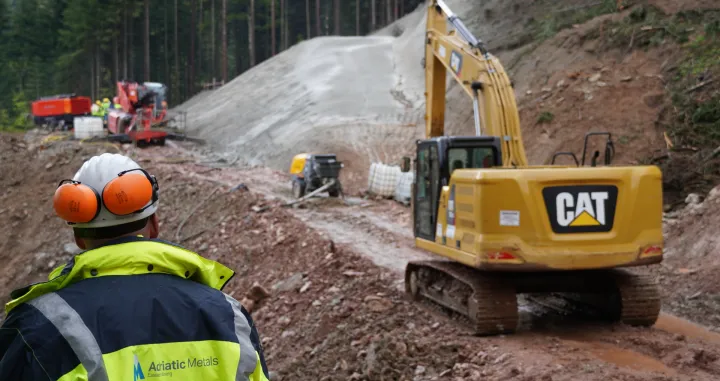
334	271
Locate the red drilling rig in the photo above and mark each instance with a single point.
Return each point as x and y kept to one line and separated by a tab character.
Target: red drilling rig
143	106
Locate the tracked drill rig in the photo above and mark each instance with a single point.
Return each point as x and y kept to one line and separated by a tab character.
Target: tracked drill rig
503	227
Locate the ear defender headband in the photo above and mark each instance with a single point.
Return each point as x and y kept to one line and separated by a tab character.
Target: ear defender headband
128	193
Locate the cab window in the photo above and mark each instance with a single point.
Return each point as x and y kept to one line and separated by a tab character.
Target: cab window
470	157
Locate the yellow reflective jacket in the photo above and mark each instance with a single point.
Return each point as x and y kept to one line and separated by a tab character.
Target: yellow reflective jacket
135	309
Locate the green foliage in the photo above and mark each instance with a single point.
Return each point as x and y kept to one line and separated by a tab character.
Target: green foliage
54	46
545	117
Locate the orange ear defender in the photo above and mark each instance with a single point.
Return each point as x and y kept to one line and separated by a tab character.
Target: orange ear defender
129	193
75	202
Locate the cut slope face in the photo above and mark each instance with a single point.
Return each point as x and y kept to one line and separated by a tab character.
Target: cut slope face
285	105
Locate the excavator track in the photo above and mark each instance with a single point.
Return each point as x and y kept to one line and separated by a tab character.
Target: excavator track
640	298
488	301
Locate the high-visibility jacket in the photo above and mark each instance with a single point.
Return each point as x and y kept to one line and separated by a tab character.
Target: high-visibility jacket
135	309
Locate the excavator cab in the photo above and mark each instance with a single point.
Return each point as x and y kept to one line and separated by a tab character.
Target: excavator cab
437	159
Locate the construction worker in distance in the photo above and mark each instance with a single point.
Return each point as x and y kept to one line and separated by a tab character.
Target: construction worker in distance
130	304
106	107
116	104
95	110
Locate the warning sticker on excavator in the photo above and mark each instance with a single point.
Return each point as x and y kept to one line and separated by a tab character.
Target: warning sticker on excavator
456	62
581	209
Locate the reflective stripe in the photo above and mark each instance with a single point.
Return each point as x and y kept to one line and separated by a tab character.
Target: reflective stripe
248	358
75	332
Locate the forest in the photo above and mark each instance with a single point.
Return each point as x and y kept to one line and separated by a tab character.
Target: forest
85	46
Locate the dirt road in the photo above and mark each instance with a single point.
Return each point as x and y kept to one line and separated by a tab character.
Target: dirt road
371	331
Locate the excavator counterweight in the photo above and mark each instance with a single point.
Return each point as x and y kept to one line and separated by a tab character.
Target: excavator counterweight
502	227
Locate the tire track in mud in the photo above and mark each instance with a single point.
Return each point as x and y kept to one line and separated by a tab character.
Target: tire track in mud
674	349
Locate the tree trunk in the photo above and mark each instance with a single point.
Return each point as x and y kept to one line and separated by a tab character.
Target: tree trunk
251	33
176	81
125	43
308	21
200	48
92	78
272	27
147	40
98	70
402	8
388	11
191	57
317	18
116	59
373	14
224	42
213	52
397	9
167	46
282	25
287	26
337	17
357	17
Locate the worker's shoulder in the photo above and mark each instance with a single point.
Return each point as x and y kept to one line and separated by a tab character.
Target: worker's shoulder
140	288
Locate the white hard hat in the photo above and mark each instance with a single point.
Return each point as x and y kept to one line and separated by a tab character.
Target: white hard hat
97	172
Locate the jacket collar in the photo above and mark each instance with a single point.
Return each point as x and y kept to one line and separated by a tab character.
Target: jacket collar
128	256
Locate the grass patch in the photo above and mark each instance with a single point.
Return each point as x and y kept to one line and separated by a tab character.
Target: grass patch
555	21
545	117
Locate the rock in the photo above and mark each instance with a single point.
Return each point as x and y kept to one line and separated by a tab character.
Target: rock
626	78
288	333
257	293
595	77
667	208
678	337
49	165
695	295
377	304
51	264
353	273
692	199
529	92
546	89
600	84
72	248
653	99
305	287
292	283
502	358
419	370
203	247
284	320
435	325
333	290
560	83
317	303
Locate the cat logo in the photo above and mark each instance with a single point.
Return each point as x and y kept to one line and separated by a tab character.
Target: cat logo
581	209
456	62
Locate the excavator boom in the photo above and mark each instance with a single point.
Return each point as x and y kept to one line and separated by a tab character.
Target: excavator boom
481	76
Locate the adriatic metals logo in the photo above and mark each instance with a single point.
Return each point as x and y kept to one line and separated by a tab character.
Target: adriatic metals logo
581	208
137	370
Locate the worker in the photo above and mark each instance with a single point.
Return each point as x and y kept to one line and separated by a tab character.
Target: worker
95	110
116	104
129	302
106	108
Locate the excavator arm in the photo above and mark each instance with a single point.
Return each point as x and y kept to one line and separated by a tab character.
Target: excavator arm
481	76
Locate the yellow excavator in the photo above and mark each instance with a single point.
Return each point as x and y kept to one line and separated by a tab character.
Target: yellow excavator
505	228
